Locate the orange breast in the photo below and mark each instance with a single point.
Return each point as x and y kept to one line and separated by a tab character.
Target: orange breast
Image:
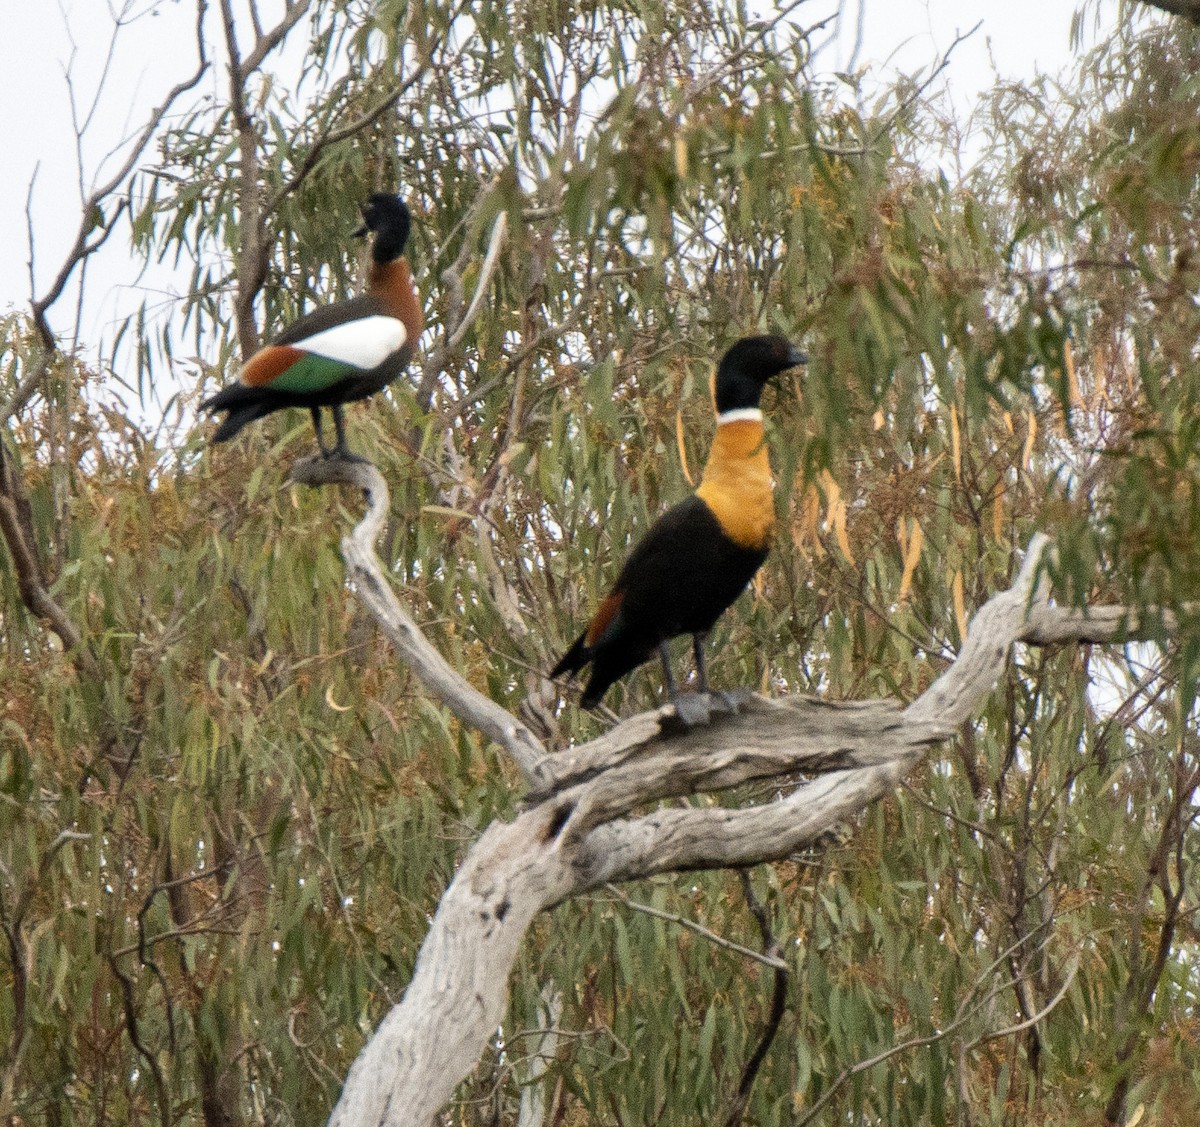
737	484
391	282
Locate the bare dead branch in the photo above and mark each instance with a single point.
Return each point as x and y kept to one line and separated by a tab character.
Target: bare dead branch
737	1108
17	529
1050	626
638	761
579	830
91	217
434	672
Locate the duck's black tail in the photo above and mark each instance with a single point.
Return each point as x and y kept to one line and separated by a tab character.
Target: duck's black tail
243	404
574	659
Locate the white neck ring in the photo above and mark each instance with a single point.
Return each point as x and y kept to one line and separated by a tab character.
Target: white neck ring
740	415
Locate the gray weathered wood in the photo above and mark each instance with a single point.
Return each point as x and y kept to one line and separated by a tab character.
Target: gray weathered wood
367	574
580	826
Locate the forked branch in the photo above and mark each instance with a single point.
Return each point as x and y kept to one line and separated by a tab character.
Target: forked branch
94	226
430	668
578	829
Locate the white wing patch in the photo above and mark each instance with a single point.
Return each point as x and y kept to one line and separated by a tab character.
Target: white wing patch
364	343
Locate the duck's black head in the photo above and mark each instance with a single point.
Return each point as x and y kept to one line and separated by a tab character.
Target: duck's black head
746	367
389	219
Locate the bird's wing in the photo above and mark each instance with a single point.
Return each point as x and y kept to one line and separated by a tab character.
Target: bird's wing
327	317
326	347
364	343
670	544
606	612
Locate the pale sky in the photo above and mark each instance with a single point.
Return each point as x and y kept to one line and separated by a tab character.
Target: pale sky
1018	37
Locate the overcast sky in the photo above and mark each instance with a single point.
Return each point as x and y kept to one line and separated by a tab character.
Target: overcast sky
42	39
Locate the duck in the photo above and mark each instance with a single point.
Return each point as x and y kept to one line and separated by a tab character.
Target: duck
337	353
700	555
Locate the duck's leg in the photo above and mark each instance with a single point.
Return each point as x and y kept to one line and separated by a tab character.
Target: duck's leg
341	450
691	709
316	418
668	677
719	701
701	671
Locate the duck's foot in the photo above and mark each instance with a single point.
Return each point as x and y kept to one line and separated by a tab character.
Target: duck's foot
693	710
696	710
729	702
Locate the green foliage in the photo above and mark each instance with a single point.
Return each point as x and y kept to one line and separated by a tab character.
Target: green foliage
218	858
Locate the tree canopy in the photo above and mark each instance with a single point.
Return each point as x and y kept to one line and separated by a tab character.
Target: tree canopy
227	813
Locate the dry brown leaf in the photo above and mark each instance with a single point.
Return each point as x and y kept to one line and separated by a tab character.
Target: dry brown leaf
911	546
683	462
681	157
1074	398
1027	453
955	444
838	518
810	514
960	608
835	514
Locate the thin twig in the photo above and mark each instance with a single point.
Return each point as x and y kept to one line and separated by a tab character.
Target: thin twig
266	43
16	530
1021	1026
893	117
963	1015
343	133
83	247
778	1002
429	666
499	229
728	64
131	1027
767	960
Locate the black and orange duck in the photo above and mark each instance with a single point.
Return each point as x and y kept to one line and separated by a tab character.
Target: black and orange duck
341	352
700	555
